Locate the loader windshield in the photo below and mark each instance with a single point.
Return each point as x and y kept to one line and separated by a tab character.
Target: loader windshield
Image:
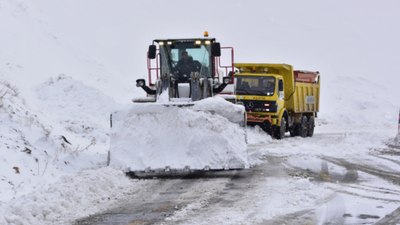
255	85
182	58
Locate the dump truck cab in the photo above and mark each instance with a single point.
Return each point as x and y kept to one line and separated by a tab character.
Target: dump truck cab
276	98
261	90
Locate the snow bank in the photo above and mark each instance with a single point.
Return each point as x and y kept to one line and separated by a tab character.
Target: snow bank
69	133
81	110
156	136
356	103
69	198
30	151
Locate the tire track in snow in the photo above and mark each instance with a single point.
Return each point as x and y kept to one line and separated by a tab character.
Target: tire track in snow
386	175
162	200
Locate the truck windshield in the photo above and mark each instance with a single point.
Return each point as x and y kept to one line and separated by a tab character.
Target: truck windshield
182	58
255	85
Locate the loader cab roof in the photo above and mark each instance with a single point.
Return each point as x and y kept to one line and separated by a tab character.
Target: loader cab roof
183	40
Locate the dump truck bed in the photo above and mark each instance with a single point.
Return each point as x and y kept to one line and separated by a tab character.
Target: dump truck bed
306	95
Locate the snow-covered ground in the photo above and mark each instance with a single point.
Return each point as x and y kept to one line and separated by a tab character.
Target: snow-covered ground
57	91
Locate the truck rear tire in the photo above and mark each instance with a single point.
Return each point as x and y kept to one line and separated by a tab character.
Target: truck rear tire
311	125
303	129
294	130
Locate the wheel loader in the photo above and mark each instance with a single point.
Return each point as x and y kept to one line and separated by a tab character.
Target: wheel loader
182	126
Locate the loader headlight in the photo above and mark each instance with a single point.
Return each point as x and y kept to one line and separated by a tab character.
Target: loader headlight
140	83
226	80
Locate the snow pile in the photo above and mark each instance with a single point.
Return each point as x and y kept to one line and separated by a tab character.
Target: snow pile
81	110
218	105
69	198
30	151
157	136
41	156
356	103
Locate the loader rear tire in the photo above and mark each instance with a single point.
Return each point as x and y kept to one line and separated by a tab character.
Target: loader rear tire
303	129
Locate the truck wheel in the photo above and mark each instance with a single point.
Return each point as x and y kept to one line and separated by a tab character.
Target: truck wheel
280	131
267	128
311	125
294	130
303	131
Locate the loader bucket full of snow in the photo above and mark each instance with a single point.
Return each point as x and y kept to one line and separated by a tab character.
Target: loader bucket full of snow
161	138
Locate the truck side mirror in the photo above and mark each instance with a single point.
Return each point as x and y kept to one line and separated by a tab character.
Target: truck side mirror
151	54
216	49
280	85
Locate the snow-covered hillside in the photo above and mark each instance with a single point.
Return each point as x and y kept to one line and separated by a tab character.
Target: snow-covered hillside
65	66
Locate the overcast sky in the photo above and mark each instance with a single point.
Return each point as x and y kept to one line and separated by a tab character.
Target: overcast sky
347	37
341	37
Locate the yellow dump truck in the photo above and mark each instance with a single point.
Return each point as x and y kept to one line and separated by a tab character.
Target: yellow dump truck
278	98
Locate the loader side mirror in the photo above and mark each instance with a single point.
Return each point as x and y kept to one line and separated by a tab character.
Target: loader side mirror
227	80
151	54
140	82
216	49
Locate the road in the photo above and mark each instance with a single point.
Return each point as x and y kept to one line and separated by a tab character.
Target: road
276	191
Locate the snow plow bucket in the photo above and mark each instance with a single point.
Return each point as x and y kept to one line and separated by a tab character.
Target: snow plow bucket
168	138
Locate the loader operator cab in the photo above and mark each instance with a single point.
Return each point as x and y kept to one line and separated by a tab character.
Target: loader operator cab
181	58
187	68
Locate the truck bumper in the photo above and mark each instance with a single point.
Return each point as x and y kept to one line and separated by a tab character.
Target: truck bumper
254	118
264	121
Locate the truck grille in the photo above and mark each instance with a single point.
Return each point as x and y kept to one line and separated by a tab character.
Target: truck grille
260	106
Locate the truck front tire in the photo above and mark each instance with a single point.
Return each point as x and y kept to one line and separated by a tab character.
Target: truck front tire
280	131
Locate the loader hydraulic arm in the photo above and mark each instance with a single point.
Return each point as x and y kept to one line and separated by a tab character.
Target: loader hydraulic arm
226	80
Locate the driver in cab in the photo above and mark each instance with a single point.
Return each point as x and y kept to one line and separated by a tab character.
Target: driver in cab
186	65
